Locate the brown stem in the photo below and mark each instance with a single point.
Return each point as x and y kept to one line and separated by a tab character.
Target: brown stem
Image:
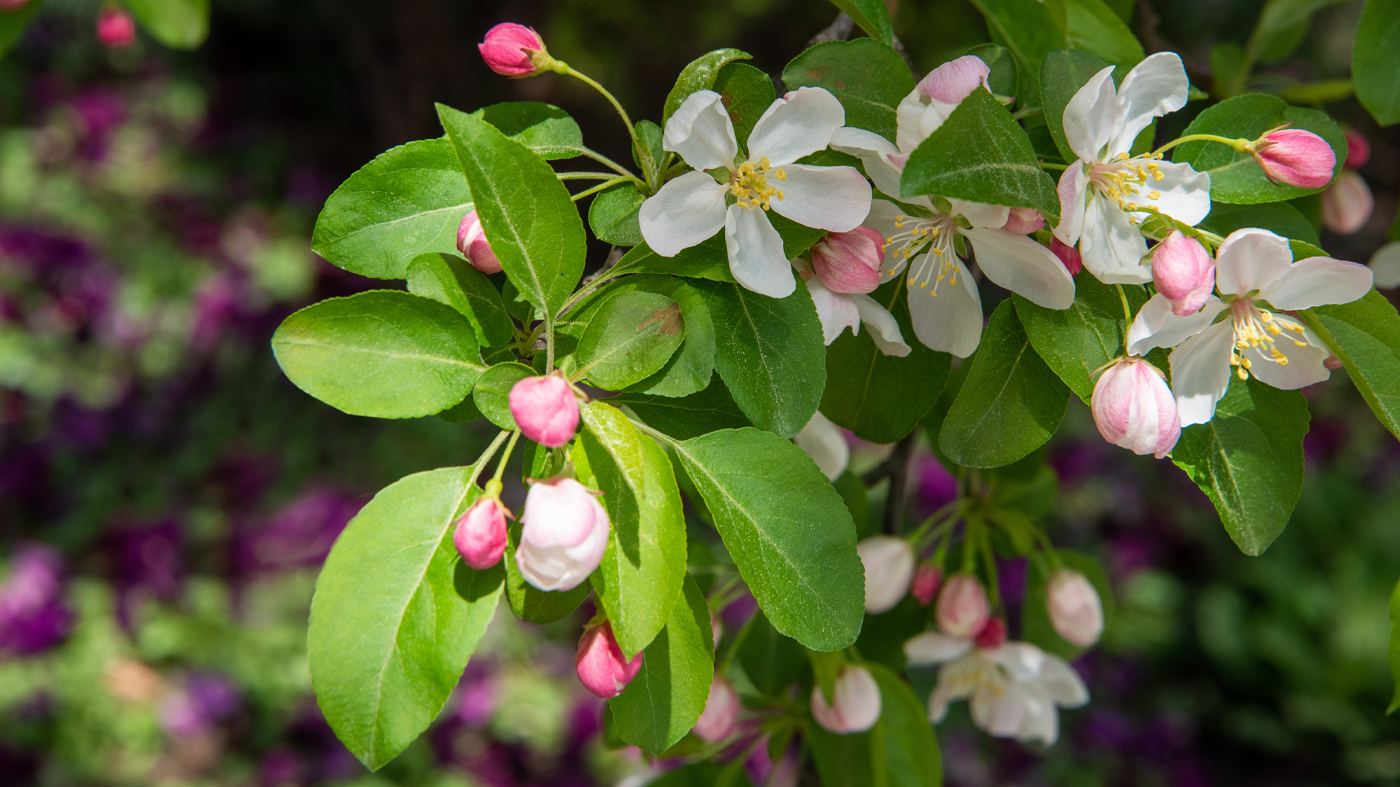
838	30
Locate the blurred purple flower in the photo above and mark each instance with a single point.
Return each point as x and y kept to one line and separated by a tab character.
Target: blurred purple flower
1076	461
145	560
205	700
738	612
476	696
99	114
33	616
936	486
300	534
215	306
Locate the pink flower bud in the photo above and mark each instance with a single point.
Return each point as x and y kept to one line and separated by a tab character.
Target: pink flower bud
926	580
1358	150
849	262
992	635
564	537
471	241
1347	203
1068	255
1293	157
889	567
1024	221
545	409
1075	608
721	713
1183	272
1134	409
855	703
115	27
480	536
600	665
955	80
962	607
507	49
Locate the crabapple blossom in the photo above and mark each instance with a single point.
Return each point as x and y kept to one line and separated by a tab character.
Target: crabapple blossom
545	409
1134	409
480	535
1183	272
1075	608
508	49
925	585
564	536
471	241
838	311
962	608
849	262
721	713
601	666
825	444
1293	157
889	568
855	705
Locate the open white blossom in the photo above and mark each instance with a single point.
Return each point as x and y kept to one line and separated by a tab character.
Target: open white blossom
721	193
1107	193
1255	275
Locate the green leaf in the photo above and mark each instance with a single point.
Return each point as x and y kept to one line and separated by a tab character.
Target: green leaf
492	392
649	150
1235	177
1029	30
773	358
899	751
868	77
543	128
690	370
1282	26
687	416
1395	647
787	530
639	579
1002	78
1011	402
529	603
771	661
668	695
1249	460
1096	28
525	210
14	23
1278	217
1375	60
631	336
397	614
706	260
1080	340
407	202
1365	334
179	24
613	215
464	412
881	397
981	154
1064	72
452	280
383	353
747	93
699	75
873	16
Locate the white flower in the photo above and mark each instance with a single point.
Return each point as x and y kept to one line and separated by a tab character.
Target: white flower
696	205
1014	689
1254	273
839	311
825	444
1106	194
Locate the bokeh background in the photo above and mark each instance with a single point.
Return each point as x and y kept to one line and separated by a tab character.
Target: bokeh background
166	496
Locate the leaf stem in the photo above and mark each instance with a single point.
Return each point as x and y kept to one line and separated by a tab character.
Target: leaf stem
1048	165
585	175
485	457
604	185
579	294
1240	145
565	68
607	162
1127	316
1027	112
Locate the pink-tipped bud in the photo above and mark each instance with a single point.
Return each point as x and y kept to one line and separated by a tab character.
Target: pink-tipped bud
927	577
601	667
545	409
1358	150
471	241
721	714
1024	221
564	536
508	47
1134	409
115	27
992	635
889	568
1183	272
1069	256
1075	608
480	536
962	608
955	80
855	705
1293	157
849	262
1347	203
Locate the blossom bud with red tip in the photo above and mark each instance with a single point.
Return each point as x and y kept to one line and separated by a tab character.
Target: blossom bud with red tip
510	49
601	667
471	241
115	28
1293	157
925	586
545	409
849	262
992	635
1183	272
962	608
1358	150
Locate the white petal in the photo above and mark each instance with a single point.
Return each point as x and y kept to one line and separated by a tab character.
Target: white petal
1184	193
1022	660
1251	259
1023	266
1156	325
1153	88
1073	189
836	311
873	151
1316	281
882	217
1201	372
796	125
701	132
828	198
918	116
950	322
684	212
932	647
756	253
1111	245
1042	723
1061	683
980	215
823	441
884	328
1002	716
1304	367
1089	116
1385	265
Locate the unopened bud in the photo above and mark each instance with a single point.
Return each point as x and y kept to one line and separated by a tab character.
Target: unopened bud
721	713
1183	272
955	80
962	608
889	567
509	49
1347	203
601	667
1024	221
1358	150
545	409
1134	409
471	241
925	586
849	262
564	536
992	635
1075	608
1293	157
1069	256
480	536
115	27
855	705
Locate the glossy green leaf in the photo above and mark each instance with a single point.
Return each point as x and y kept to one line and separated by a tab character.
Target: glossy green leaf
1080	340
629	338
397	614
1063	73
1235	177
872	16
649	150
543	128
1277	217
1096	28
613	215
786	529
690	416
528	602
384	353
179	24
452	280
1249	460
492	392
1011	402
668	695
899	751
1029	30
868	76
747	93
707	260
1375	60
771	661
1365	334
700	74
14	23
690	370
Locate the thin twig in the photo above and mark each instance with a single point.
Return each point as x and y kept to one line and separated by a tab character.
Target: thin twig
898	464
838	30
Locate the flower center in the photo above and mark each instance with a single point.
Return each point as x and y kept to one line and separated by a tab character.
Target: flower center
1258	329
749	184
971	673
1120	180
936	233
